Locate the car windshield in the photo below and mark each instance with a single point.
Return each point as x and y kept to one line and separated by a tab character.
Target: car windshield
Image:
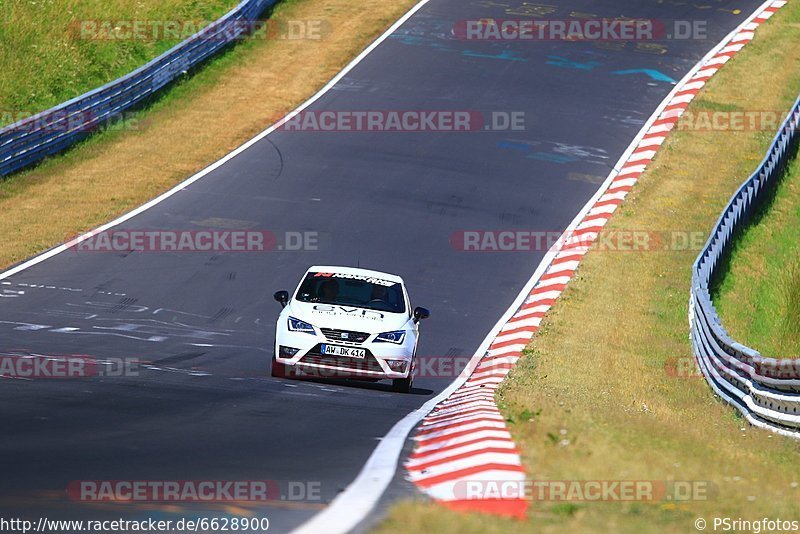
352	290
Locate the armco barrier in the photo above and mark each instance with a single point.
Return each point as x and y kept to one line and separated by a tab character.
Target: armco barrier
765	390
28	141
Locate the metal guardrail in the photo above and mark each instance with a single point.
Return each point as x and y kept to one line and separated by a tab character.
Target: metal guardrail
765	390
30	140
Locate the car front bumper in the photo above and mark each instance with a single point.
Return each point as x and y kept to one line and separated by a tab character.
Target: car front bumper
308	360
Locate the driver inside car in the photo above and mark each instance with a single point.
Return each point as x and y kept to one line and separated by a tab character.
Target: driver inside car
380	293
328	291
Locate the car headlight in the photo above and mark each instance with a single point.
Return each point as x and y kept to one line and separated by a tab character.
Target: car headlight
296	325
396	337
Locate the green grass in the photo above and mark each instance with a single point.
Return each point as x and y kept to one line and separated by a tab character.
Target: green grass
46	60
791	295
758	292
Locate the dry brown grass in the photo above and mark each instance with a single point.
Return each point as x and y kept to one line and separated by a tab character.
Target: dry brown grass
200	121
596	369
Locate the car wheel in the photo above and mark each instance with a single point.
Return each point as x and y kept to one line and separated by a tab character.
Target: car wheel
404	385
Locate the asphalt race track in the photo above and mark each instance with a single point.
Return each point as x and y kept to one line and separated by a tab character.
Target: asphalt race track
204	406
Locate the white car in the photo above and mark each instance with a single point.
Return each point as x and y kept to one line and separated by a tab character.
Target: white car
349	323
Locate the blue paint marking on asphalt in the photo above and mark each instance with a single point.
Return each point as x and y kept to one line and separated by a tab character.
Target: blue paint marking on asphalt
514	145
558	61
654	74
415	40
506	55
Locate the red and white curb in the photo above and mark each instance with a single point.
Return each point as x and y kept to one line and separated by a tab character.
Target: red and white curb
465	438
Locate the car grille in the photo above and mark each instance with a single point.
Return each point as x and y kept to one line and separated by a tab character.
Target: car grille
346	336
368	363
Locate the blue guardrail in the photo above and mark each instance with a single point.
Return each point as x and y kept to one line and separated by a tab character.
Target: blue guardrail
28	141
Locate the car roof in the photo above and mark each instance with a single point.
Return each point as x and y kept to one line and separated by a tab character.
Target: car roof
354	270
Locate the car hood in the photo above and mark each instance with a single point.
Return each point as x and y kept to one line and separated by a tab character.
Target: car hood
347	317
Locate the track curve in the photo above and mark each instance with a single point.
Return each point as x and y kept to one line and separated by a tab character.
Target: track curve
206	409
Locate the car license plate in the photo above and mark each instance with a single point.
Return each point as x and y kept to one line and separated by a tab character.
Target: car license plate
348	352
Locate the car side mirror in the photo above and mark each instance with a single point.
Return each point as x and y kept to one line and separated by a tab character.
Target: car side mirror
420	314
282	297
